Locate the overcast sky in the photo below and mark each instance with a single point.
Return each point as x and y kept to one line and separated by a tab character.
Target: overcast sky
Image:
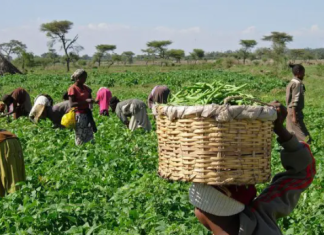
213	25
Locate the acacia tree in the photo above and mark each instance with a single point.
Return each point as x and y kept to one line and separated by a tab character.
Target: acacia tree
102	49
197	54
296	54
150	54
56	31
247	46
128	56
279	41
160	47
177	54
12	47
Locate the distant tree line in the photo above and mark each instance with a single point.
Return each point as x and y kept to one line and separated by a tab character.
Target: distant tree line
155	51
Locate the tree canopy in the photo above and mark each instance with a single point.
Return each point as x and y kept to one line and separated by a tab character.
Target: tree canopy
57	30
102	49
12	47
247	46
159	46
177	54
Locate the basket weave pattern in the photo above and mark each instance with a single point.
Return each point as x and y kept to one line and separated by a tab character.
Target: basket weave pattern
202	150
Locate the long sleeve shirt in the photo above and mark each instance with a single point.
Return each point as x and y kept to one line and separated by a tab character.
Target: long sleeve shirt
136	109
281	197
295	94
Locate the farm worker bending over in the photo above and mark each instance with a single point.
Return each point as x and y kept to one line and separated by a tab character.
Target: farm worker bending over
80	97
159	95
18	103
40	102
54	113
12	167
229	211
136	109
103	99
295	102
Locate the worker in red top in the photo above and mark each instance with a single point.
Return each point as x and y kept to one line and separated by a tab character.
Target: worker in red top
80	98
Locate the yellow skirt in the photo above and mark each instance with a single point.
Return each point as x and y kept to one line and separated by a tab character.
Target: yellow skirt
12	167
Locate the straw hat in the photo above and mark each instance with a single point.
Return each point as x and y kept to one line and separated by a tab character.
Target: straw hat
38	112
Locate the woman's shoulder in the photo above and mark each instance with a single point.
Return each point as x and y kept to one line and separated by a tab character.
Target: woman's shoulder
88	88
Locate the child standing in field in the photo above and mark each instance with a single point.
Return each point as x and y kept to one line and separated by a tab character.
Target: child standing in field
295	102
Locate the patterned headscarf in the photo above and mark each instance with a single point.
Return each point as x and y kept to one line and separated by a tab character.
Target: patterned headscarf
78	73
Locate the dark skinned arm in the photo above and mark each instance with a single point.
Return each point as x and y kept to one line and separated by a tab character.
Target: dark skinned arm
74	103
11	112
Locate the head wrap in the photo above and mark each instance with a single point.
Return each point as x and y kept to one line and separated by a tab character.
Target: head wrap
212	201
38	112
78	73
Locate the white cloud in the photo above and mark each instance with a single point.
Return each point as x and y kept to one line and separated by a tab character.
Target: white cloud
314	28
167	30
249	30
106	27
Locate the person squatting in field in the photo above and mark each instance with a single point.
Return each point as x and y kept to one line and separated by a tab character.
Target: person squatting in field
233	210
12	167
159	95
103	100
18	103
40	102
80	98
295	102
133	108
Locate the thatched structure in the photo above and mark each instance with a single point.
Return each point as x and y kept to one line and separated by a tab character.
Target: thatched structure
7	67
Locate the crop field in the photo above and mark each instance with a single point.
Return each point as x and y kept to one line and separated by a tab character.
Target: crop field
112	186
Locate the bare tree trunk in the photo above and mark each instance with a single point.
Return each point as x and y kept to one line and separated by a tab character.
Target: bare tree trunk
111	63
68	64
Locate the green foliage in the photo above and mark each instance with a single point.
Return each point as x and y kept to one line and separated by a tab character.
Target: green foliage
247	46
57	30
111	187
159	46
177	54
12	47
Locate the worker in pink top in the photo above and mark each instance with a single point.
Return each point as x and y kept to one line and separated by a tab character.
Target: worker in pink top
103	99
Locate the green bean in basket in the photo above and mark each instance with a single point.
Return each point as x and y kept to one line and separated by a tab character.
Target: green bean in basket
214	93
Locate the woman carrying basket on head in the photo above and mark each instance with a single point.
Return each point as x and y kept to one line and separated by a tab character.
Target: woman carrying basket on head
232	210
80	98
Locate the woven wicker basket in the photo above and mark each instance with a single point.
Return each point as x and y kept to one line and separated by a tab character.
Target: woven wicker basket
202	150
